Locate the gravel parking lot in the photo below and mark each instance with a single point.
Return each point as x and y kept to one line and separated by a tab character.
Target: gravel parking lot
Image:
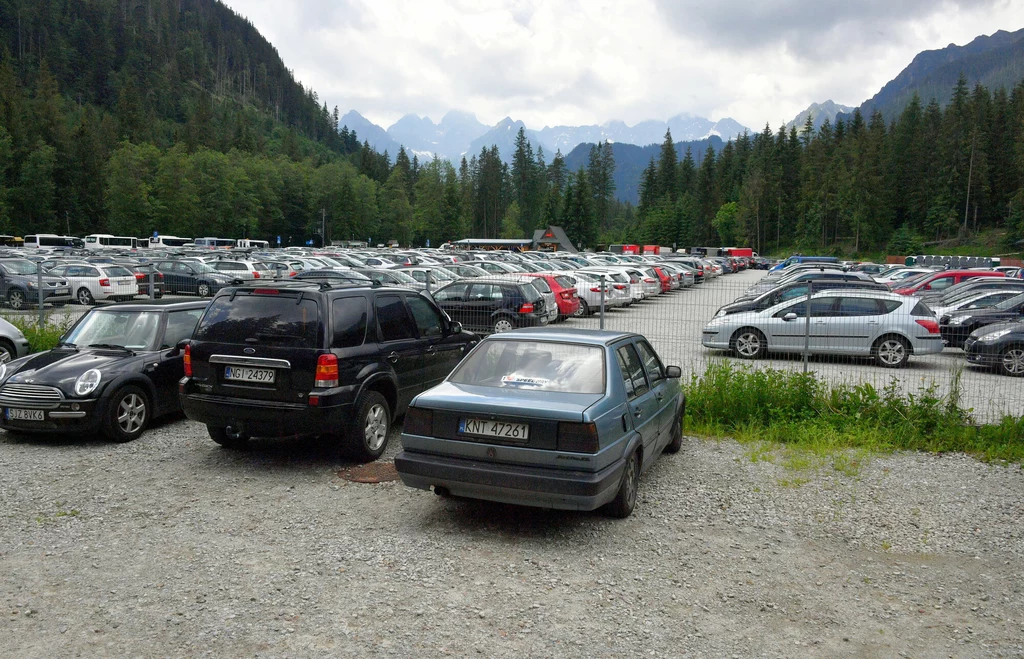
171	546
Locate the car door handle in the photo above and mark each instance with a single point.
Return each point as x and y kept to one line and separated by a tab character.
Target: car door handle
638	412
431	350
660	396
393	357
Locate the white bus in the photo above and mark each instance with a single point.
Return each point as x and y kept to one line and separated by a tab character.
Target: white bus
35	241
215	243
168	241
256	244
105	240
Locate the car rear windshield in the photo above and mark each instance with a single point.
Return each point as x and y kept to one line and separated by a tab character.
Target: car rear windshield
268	319
534	366
531	293
117	271
541	285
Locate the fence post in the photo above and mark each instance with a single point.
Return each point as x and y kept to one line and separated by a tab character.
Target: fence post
602	300
39	285
152	287
807	324
430	276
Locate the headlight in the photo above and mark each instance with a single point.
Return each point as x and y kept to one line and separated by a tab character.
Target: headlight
959	320
30	284
721	312
992	336
87	382
3	372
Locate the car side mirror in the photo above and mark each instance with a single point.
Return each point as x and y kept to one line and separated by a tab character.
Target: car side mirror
455	327
790	316
179	348
673	372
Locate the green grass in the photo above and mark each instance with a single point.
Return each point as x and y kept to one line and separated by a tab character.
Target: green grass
798	411
41	337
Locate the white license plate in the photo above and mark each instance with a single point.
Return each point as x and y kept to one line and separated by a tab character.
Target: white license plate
62	291
25	415
247	374
513	431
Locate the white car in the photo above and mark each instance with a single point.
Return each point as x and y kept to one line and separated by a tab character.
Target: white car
98	281
588	290
633	282
885	326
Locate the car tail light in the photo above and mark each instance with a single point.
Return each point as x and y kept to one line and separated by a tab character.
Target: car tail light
188	361
265	291
418	421
566	295
595	290
649	280
929	324
139	276
526	308
620	287
292	274
577	437
104	282
326	371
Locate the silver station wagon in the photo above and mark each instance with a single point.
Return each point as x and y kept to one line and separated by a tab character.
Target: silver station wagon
555	419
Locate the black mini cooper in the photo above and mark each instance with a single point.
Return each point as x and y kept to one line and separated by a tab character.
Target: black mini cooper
114	371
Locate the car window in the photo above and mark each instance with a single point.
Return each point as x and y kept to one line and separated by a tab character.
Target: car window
890	305
393	319
534	366
541	285
180	325
118	271
349	320
484	292
89	272
792	293
269	319
633	376
455	292
428	320
940	283
859	306
652	365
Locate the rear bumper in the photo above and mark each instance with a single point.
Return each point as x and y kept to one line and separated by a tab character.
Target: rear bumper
261	418
527	486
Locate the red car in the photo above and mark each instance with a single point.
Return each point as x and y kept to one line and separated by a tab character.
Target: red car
664	278
943	279
565	293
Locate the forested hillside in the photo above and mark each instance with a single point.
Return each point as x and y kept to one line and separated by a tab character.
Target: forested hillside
134	116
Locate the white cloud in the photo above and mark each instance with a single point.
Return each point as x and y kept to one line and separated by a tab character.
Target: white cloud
590	61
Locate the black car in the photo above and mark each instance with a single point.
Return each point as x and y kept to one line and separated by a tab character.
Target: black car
193	277
958	325
114	371
795	289
313	357
19	285
1000	346
488	304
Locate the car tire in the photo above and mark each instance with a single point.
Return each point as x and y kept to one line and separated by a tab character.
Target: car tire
749	343
7	351
366	437
677	435
127	414
625	499
203	290
229	440
16	300
891	351
584	309
84	296
1011	361
503	324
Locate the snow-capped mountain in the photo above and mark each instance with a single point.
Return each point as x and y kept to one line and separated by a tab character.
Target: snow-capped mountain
820	112
459	133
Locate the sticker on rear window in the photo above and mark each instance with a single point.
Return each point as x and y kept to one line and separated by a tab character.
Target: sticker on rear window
518	380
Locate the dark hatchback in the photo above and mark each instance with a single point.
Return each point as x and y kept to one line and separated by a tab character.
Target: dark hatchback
114	371
488	304
957	326
310	357
1000	346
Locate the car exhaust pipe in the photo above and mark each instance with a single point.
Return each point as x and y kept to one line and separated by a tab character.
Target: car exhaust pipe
442	491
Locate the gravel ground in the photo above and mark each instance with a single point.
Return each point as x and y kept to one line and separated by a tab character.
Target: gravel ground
171	546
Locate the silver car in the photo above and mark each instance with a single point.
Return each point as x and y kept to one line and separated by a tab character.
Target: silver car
13	343
886	326
245	270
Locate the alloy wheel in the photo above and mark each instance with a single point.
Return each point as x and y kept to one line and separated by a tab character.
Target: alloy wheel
375	431
892	352
1013	361
748	344
131	413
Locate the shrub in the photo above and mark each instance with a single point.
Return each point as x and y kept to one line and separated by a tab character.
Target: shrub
41	337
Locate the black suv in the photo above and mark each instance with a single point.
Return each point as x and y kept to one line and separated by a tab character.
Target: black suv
489	304
316	358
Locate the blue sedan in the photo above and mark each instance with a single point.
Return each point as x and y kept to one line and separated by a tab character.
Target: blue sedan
548	418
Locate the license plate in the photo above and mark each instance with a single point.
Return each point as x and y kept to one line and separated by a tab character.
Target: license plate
25	415
62	291
247	374
514	431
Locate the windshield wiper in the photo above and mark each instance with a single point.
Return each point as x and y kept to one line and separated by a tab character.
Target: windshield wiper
111	346
65	344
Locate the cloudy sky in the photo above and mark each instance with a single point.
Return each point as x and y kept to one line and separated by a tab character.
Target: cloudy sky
550	62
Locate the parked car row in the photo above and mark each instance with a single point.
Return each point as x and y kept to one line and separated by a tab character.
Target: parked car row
826	308
567	419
